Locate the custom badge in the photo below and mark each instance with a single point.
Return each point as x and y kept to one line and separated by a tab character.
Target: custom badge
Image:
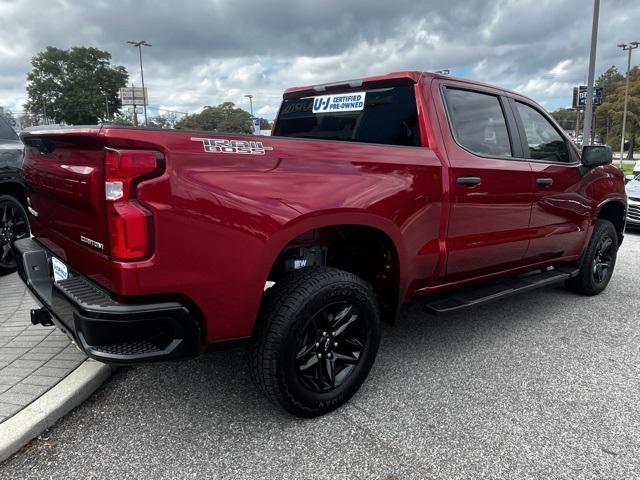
342	102
223	145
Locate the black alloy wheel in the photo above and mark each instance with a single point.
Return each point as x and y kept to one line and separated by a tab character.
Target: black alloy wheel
331	347
14	225
603	259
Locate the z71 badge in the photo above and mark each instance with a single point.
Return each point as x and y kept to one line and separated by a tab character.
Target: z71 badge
222	145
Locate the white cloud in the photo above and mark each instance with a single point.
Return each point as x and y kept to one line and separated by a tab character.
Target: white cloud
205	53
268	111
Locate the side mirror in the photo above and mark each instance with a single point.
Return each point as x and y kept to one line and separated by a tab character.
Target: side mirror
596	155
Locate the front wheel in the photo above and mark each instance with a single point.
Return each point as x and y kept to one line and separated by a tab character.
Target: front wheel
316	340
598	261
14	225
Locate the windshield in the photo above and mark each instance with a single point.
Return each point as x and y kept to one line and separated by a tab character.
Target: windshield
6	132
385	115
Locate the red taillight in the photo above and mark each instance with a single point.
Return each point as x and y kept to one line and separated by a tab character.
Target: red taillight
129	222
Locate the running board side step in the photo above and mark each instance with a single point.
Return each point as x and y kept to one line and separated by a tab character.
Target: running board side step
493	291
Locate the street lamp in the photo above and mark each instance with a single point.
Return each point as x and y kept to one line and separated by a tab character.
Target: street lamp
624	47
106	104
250	97
141	44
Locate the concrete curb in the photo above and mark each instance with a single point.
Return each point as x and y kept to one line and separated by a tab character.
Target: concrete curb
36	417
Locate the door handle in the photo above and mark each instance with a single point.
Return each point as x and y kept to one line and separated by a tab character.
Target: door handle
546	181
469	181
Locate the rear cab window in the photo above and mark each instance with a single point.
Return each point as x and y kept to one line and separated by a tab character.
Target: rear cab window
380	115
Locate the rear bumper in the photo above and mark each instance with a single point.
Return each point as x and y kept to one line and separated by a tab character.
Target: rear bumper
106	330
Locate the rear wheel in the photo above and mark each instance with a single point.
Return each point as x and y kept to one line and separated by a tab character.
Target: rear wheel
14	225
316	340
598	261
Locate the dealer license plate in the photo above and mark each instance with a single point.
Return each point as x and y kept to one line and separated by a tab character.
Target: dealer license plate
60	271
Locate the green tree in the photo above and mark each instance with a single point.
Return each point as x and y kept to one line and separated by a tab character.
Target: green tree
74	86
566	117
609	81
26	120
164	121
125	119
264	124
611	112
225	117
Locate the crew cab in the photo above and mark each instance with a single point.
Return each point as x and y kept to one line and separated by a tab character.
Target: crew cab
156	244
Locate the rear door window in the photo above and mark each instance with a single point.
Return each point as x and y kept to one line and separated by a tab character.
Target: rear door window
386	115
478	122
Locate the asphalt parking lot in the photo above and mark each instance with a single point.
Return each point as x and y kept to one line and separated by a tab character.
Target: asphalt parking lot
544	385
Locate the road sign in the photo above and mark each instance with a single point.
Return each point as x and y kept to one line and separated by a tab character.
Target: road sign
256	125
133	96
580	96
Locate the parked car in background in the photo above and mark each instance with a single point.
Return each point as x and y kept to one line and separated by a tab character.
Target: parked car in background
634	174
157	244
633	209
13	201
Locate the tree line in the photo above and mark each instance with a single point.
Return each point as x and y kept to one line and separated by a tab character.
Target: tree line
608	116
80	86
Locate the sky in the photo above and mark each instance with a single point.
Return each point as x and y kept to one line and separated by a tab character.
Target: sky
208	51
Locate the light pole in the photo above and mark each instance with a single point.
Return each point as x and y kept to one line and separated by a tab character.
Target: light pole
141	44
250	97
106	105
624	47
588	109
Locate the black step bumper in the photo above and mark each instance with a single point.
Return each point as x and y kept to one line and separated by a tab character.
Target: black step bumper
104	329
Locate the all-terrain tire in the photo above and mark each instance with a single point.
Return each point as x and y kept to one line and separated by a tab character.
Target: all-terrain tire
597	261
292	311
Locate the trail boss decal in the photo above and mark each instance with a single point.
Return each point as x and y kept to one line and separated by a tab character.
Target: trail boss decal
222	145
342	102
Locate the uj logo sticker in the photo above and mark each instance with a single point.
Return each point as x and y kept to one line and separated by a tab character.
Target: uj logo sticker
342	102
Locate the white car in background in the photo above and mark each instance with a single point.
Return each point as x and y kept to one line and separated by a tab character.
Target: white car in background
633	194
634	174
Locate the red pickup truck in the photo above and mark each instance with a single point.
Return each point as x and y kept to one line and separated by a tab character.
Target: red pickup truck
156	244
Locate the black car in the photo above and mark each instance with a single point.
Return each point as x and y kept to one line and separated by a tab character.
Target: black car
14	223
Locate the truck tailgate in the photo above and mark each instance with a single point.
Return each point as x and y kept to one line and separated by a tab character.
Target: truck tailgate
65	180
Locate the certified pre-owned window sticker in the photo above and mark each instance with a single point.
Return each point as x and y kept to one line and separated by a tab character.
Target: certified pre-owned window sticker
223	145
342	102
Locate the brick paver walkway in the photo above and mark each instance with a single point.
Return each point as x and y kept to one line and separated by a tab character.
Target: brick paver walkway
32	358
